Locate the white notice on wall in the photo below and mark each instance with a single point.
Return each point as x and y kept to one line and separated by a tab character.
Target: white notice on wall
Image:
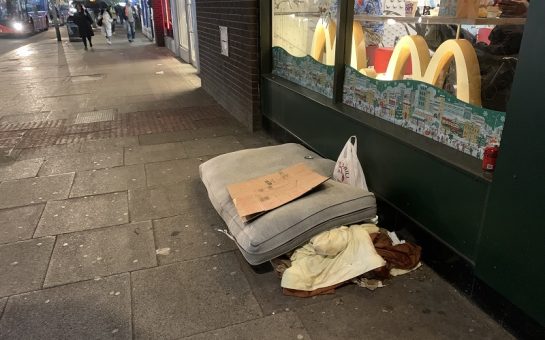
224	41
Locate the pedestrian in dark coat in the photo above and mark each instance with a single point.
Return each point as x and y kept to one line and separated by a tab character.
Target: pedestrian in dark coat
84	21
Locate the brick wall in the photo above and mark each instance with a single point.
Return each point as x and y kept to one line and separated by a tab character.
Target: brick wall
234	80
158	13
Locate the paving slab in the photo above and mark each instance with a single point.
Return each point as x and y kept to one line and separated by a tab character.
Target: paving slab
110	144
215	121
83	213
212	146
191	236
255	140
103	181
63	114
85	255
25	118
279	326
154	153
419	305
268	292
3	302
168	172
167	200
199	202
218	131
18	224
82	161
191	297
63	150
23	265
20	169
195	98
34	190
167	137
85	310
8	153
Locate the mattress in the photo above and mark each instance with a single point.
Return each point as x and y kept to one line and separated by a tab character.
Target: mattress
283	229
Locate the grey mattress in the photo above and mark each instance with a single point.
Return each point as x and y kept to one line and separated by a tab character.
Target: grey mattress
285	228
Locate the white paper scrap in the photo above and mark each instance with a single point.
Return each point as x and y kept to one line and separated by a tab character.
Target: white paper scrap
394	238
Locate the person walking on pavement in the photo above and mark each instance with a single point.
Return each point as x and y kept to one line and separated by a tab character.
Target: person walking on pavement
120	12
83	20
129	18
106	24
113	14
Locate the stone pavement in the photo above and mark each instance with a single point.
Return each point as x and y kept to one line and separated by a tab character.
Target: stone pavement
107	232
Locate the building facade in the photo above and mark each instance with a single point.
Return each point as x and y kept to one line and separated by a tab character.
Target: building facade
420	143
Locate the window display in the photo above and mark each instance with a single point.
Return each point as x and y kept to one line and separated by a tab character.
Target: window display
303	36
441	68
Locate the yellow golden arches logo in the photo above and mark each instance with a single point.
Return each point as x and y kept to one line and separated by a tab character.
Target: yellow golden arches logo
323	41
425	68
468	75
358	58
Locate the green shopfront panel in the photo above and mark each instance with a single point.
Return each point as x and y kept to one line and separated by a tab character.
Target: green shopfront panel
511	255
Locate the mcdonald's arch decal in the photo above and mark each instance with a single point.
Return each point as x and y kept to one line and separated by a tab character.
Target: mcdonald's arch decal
428	70
425	68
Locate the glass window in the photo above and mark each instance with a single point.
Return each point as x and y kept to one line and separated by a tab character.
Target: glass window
35	5
304	42
442	68
145	6
11	9
4	14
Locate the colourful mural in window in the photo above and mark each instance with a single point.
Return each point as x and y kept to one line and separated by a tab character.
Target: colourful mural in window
426	110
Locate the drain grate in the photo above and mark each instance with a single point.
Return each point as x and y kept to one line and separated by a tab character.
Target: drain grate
95	116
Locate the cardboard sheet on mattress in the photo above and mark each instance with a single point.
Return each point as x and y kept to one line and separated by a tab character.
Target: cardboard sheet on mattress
259	195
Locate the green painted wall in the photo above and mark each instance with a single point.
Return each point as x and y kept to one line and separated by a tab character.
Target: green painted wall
511	258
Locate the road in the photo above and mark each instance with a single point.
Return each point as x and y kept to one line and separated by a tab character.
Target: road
10	44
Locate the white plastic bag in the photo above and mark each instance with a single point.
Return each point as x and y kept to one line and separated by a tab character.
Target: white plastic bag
348	169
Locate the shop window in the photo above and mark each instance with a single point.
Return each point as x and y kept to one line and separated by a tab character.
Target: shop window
143	7
441	68
303	35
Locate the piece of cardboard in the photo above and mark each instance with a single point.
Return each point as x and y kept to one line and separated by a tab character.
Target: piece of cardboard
258	195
